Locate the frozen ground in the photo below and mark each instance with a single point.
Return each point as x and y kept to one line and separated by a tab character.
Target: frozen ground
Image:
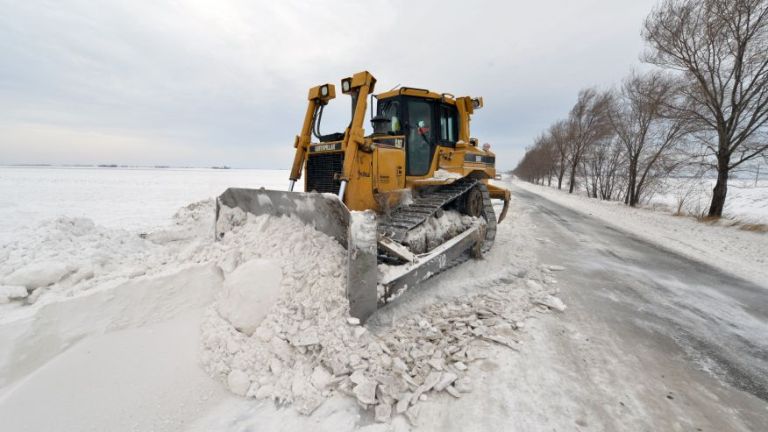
649	340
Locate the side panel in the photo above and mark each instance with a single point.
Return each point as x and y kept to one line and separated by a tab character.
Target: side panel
390	172
359	194
389	177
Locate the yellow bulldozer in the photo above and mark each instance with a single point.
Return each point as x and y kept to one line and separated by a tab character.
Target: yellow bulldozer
407	201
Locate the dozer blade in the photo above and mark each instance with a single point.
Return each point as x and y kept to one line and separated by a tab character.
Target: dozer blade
323	212
358	233
327	214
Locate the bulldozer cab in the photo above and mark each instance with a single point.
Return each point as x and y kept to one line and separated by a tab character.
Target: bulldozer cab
424	122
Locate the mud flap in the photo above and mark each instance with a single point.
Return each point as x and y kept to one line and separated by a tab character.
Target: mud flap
504	210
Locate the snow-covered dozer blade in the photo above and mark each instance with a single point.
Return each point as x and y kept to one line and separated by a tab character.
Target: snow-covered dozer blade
327	214
358	233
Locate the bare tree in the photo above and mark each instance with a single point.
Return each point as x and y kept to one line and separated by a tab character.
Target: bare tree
641	123
559	135
539	161
588	123
721	48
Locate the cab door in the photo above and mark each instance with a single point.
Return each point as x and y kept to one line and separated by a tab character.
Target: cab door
421	137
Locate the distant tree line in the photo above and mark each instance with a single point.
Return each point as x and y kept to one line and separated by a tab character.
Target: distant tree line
704	107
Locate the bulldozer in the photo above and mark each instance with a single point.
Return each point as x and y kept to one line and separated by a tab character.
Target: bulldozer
379	194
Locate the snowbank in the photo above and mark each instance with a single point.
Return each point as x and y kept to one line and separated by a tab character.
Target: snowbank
67	256
32	337
275	324
741	253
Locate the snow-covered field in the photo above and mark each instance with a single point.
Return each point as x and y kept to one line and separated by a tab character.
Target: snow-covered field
117	320
747	200
125	198
741	253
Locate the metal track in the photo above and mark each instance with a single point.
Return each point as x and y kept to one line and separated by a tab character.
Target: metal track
408	217
490	228
452	194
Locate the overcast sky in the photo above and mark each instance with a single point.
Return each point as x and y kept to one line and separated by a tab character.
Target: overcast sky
210	82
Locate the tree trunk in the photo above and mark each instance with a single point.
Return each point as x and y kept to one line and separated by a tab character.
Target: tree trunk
573	177
632	198
721	187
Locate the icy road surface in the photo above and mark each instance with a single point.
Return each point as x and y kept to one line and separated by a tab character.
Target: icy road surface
650	335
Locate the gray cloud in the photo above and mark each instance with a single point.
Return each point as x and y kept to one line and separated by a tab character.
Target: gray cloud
224	82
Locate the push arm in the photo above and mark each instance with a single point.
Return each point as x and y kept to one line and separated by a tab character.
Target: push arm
318	96
359	87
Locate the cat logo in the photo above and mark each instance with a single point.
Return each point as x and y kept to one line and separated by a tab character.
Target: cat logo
325	147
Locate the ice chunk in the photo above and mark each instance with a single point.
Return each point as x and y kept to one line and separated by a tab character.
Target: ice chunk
38	274
446	379
13	292
321	378
249	292
383	412
552	302
366	391
238	382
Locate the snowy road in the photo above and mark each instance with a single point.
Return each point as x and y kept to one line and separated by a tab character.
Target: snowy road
667	341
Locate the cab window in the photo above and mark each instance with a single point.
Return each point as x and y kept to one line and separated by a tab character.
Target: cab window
390	109
421	137
449	130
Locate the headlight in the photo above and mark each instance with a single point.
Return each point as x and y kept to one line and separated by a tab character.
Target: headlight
346	84
324	90
477	103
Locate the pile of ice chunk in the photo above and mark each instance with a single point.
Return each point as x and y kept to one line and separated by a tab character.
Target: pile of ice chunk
307	348
280	328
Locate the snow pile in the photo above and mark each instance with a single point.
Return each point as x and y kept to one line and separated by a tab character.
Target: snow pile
436	230
67	255
307	348
306	322
68	252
